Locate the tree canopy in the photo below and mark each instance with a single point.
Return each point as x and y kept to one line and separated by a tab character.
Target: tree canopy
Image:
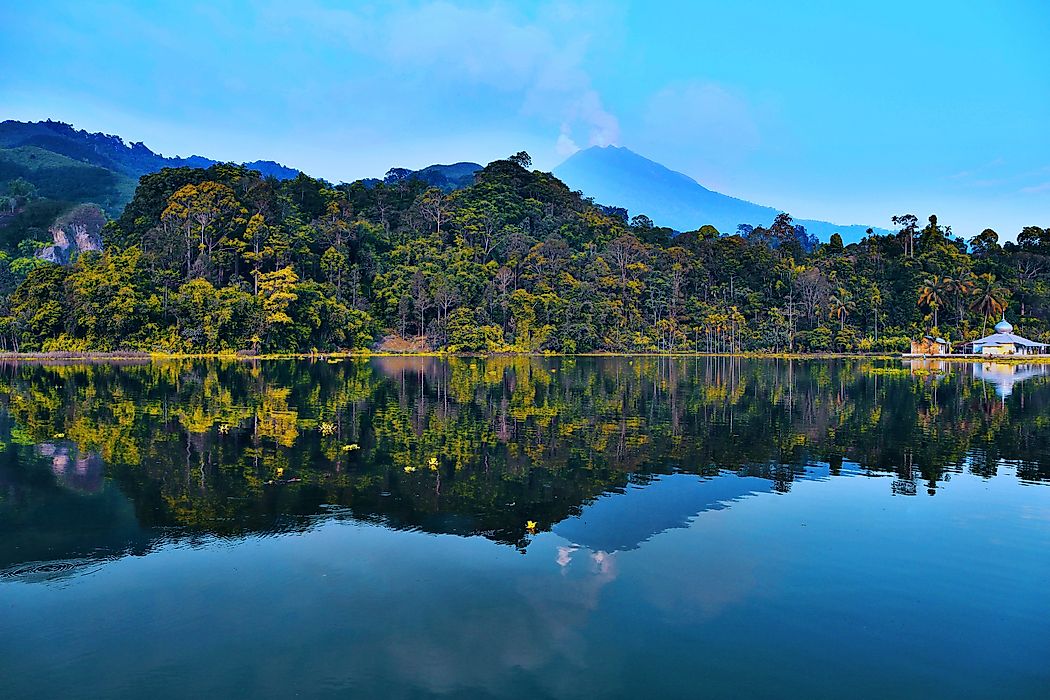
225	259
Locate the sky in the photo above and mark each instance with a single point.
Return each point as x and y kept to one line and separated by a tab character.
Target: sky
846	112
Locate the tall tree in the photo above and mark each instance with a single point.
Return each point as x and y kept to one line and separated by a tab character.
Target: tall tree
989	298
932	295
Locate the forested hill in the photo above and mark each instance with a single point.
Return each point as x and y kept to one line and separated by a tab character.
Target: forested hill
221	258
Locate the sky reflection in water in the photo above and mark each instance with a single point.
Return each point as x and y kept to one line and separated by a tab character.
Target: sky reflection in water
705	527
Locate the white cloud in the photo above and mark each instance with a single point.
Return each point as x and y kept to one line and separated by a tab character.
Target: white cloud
565	146
604	128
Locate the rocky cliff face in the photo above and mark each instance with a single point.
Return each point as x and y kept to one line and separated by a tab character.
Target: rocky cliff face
74	233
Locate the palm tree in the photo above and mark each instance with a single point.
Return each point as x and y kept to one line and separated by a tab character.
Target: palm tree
840	305
932	294
959	286
989	298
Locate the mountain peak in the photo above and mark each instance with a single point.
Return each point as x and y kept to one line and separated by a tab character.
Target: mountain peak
623	166
619	176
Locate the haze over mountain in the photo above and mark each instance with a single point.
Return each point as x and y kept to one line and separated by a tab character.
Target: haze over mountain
618	176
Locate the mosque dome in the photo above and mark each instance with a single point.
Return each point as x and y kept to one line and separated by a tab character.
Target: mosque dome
1004	326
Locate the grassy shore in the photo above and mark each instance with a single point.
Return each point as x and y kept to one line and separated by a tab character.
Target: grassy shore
142	356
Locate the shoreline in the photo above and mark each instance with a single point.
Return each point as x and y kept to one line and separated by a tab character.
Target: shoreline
141	357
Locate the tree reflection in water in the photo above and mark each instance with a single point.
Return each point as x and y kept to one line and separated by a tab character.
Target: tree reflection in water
478	446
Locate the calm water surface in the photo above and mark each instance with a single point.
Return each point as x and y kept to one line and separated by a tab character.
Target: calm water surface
702	528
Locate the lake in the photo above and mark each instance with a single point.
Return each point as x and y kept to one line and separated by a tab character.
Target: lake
525	528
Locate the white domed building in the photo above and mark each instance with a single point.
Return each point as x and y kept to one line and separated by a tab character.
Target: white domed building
1005	342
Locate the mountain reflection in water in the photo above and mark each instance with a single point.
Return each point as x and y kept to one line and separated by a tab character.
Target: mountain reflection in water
104	460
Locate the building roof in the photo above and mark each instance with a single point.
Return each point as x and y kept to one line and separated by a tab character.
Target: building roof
1006	339
1004	335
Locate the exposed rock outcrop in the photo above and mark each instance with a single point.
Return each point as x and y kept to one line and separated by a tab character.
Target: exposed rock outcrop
76	232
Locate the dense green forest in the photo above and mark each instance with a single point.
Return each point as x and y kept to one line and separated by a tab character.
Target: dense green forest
224	259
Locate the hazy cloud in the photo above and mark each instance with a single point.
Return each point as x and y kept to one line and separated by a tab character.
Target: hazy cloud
446	51
978	170
1035	189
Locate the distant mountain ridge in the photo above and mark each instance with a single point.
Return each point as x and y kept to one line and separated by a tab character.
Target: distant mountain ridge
111	152
449	177
72	165
445	177
618	176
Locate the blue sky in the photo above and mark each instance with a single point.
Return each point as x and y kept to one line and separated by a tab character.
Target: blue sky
846	112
